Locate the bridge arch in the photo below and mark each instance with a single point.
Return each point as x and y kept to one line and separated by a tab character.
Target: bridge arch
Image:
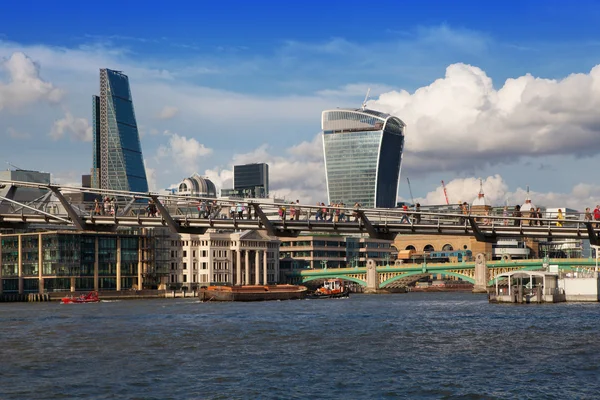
447	247
343	277
428	247
420	273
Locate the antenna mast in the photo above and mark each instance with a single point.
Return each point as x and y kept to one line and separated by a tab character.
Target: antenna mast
364	104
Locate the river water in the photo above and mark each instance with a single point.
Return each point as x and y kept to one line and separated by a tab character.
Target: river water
414	345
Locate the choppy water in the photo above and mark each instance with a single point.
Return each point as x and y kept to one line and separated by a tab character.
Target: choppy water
416	345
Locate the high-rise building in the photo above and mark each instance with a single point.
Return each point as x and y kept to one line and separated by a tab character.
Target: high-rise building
250	180
363	154
118	160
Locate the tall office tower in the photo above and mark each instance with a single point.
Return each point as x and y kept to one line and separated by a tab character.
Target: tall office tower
363	154
118	160
252	180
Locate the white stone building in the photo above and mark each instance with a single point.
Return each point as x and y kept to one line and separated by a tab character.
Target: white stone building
238	258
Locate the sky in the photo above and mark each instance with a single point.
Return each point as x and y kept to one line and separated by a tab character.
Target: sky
503	94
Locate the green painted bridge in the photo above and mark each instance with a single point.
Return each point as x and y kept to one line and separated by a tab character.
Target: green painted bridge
395	276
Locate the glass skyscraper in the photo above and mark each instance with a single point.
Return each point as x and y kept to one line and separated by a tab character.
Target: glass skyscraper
118	160
363	154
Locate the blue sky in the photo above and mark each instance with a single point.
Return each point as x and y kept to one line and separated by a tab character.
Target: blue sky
215	83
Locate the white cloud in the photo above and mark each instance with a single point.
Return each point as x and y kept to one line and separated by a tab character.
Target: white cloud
496	192
186	153
15	134
151	178
168	112
25	85
79	128
460	120
296	174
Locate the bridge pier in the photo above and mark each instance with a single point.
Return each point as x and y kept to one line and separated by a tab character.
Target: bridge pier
481	273
372	277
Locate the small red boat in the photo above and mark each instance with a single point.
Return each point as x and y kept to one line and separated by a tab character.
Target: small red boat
91	297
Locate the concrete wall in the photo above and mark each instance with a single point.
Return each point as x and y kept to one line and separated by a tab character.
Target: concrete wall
580	289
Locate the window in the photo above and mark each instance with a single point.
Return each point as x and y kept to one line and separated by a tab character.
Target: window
184	265
185	253
185	278
193	253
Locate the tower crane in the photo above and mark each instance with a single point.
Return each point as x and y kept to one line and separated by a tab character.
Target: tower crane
445	192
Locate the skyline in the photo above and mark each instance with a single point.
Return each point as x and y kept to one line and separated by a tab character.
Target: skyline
250	86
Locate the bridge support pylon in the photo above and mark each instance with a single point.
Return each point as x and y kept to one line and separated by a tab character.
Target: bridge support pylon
481	273
372	277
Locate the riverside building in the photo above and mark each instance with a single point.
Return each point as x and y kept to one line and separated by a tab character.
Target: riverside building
223	258
69	261
118	162
363	155
329	251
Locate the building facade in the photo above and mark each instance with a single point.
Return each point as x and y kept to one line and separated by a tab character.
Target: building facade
118	163
333	251
22	194
249	180
68	261
363	156
223	258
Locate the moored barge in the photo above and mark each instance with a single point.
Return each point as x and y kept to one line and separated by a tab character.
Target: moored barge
253	293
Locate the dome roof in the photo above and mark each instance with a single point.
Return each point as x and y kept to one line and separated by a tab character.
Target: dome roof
528	205
197	186
480	200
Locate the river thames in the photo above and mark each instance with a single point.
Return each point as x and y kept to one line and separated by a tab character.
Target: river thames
415	345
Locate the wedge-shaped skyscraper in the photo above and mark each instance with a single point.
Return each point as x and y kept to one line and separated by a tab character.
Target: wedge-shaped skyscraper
363	154
118	160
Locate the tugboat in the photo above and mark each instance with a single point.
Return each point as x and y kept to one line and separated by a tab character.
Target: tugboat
332	288
91	297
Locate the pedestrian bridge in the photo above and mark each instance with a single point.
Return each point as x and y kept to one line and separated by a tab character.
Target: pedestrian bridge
403	275
64	207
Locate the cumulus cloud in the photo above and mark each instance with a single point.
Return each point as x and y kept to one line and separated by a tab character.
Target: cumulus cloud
25	85
497	193
151	178
461	120
78	128
296	174
168	112
183	151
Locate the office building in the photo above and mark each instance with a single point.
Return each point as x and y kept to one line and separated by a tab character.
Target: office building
330	251
118	161
363	154
40	262
22	194
249	180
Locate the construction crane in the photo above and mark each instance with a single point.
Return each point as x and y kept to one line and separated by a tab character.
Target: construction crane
445	192
410	190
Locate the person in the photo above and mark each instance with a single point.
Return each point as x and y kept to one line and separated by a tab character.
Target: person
532	217
404	214
539	216
97	208
298	210
418	213
249	211
282	212
505	215
292	211
597	215
517	214
355	211
588	215
319	213
115	206
560	218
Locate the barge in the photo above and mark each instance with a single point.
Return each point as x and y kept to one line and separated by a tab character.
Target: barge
253	293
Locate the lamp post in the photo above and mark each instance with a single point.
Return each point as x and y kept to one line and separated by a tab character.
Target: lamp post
595	247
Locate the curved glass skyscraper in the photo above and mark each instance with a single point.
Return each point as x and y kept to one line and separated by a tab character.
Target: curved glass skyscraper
363	154
118	161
